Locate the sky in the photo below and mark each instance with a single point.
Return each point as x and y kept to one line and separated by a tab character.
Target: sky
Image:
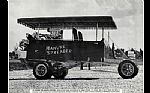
127	14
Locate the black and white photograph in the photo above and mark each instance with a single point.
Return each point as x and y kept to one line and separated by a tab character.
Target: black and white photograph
76	46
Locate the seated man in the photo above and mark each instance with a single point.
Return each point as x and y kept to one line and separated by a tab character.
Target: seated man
29	37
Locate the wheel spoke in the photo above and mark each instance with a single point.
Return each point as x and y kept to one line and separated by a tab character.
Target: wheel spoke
127	69
41	70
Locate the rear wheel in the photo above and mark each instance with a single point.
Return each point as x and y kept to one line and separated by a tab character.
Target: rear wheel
59	71
127	69
42	71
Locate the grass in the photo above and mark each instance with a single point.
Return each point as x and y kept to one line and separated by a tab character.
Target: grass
18	65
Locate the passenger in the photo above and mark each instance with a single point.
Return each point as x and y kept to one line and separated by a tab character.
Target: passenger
35	35
29	37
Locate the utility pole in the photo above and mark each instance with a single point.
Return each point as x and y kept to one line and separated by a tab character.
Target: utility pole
103	33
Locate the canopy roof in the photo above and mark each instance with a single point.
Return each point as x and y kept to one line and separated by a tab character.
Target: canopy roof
79	22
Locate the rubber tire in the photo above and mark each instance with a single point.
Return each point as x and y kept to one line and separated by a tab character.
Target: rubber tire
47	75
124	76
63	71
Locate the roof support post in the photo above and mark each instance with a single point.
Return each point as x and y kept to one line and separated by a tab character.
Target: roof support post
102	32
38	31
96	30
102	59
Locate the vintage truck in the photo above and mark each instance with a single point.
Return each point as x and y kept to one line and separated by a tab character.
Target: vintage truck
49	57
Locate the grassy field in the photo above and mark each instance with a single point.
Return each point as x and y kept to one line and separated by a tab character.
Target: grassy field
18	65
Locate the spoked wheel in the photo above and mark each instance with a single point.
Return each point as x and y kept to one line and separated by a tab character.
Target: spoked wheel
127	69
42	71
59	71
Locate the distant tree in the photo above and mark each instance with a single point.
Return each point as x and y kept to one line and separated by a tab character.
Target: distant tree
15	51
122	50
141	52
119	52
108	52
12	55
113	51
137	54
132	49
126	53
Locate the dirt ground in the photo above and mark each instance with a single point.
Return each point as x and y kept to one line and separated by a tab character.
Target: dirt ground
99	79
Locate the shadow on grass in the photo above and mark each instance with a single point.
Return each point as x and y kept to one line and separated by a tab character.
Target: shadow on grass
23	79
104	71
80	78
64	79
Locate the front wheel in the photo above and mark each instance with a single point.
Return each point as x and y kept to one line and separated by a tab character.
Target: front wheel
42	71
127	69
